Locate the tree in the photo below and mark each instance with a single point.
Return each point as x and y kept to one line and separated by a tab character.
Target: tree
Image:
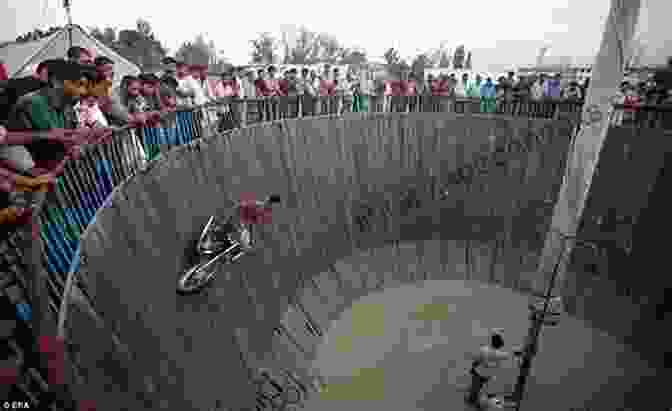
444	59
196	52
391	57
304	48
395	64
139	46
419	64
144	28
354	58
458	57
330	50
202	53
264	49
108	36
37	34
439	56
98	34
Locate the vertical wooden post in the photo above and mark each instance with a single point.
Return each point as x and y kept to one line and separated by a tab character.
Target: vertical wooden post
582	161
243	112
607	76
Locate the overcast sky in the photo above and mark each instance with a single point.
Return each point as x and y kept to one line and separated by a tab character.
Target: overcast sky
501	34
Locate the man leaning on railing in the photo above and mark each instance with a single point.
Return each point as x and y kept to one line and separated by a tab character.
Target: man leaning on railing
44	126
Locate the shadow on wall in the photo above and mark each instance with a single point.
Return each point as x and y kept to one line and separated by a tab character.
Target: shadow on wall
349	184
618	287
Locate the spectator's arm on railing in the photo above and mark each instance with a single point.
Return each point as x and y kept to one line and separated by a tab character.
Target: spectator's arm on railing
14	215
12	181
662	108
112	106
183	90
72	140
27	137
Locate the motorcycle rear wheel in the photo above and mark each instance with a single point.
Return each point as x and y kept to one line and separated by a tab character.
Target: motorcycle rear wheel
198	277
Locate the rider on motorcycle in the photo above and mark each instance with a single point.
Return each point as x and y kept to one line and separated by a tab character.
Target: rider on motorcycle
247	212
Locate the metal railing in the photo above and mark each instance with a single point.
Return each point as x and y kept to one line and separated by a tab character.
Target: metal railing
63	214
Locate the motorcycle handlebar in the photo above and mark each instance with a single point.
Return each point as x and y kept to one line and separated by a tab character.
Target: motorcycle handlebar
273	199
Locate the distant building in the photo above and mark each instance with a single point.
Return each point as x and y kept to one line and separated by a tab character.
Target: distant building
571	73
551	60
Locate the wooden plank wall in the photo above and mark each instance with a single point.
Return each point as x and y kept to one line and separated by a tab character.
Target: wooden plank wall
612	289
348	184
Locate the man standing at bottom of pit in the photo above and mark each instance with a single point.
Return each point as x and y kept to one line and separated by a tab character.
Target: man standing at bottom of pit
486	363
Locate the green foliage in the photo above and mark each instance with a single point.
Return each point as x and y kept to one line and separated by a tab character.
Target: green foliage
392	57
37	34
311	47
444	60
395	64
419	64
201	52
196	52
355	58
458	57
467	65
139	46
264	49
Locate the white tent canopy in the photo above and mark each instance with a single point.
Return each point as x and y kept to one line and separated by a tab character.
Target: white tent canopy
20	58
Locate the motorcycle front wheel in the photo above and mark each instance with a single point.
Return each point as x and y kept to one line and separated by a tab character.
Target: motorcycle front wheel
197	277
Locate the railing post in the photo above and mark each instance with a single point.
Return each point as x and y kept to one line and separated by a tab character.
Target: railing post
36	277
242	106
299	106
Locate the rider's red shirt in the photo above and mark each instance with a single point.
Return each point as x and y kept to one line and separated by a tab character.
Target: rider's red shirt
252	213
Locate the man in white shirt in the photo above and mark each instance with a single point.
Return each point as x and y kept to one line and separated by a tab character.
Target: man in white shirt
462	86
344	90
537	89
247	87
185	85
198	77
486	363
308	92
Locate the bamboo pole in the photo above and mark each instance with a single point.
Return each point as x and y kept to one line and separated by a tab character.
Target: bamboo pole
582	160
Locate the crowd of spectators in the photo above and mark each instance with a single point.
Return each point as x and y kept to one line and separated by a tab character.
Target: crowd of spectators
47	117
195	86
654	91
71	100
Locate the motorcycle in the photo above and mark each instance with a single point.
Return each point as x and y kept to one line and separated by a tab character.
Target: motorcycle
221	242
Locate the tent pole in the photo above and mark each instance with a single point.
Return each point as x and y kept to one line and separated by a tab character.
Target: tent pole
582	161
68	12
32	56
607	75
69	36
